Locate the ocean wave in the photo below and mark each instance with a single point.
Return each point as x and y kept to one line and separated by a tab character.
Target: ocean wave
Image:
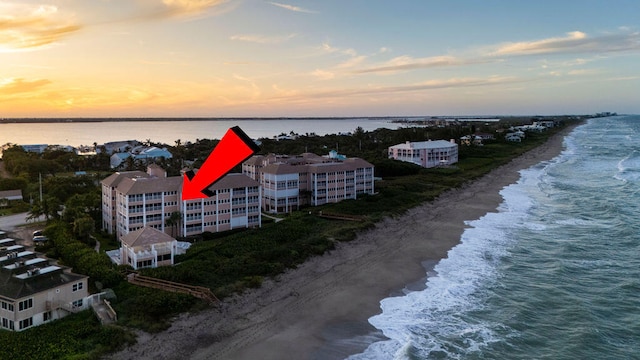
440	321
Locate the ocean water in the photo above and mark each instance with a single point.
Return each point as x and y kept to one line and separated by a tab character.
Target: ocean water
554	274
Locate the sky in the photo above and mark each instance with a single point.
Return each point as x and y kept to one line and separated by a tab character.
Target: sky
304	58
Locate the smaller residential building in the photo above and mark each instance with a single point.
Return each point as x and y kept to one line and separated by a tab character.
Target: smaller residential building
426	153
33	292
36	148
513	137
139	153
10	195
148	247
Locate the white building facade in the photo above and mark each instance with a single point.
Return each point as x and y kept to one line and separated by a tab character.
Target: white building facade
427	154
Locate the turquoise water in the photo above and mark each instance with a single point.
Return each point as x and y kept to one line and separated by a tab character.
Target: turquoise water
554	274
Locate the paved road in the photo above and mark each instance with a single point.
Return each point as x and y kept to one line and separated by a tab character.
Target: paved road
14	226
10	222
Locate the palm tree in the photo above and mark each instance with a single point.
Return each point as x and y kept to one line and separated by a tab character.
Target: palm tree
36	212
174	220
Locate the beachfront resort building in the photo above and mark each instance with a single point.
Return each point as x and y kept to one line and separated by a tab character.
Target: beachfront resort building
133	200
289	182
34	292
426	153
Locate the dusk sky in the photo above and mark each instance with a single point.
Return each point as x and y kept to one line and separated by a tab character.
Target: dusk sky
256	58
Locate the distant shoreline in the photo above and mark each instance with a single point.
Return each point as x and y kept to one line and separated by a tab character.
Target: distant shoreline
90	120
408	119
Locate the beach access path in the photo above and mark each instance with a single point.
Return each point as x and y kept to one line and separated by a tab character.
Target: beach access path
301	313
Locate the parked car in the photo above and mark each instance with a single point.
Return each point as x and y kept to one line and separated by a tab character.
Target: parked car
39	239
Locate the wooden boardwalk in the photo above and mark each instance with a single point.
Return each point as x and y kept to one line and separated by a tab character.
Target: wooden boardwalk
200	292
337	216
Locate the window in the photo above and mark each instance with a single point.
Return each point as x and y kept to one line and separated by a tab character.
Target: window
194	206
25	323
194	228
77	286
7	306
164	257
7	324
26	304
76	304
142	264
154	217
46	316
239	211
192	217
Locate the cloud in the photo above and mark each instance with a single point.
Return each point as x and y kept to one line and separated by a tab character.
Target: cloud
14	86
417	87
150	10
403	63
574	42
24	26
323	74
262	39
189	7
292	7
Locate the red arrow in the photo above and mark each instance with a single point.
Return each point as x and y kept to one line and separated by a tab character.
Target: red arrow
234	148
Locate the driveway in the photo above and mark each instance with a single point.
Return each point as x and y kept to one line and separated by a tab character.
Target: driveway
14	225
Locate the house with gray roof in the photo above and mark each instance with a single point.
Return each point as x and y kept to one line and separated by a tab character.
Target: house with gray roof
34	292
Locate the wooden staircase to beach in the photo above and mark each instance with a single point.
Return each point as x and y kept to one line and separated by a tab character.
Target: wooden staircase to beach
199	292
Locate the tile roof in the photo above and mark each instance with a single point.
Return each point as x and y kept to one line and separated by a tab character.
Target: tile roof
144	185
234	180
146	236
114	179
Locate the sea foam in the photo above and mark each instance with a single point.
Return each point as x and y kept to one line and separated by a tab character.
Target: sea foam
438	322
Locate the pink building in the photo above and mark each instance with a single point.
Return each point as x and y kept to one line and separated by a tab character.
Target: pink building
426	153
135	200
289	182
235	204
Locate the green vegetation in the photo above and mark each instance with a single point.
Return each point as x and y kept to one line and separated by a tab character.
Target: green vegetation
77	336
231	262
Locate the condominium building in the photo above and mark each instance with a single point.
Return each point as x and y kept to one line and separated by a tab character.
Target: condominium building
109	194
33	292
289	182
426	153
235	204
134	200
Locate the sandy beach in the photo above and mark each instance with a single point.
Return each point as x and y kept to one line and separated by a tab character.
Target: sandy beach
320	309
